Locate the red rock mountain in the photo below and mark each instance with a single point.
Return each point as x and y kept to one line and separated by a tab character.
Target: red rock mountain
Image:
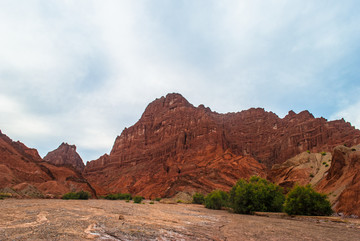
22	170
65	155
178	147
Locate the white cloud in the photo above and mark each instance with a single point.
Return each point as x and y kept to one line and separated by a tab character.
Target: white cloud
80	71
18	122
350	113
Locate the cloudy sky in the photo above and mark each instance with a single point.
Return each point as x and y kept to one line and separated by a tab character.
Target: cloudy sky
81	71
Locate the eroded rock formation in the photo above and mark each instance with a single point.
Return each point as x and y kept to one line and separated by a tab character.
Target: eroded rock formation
23	170
336	174
304	168
65	155
176	147
342	182
172	146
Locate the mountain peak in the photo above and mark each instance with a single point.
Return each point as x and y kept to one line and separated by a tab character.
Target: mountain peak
171	101
65	155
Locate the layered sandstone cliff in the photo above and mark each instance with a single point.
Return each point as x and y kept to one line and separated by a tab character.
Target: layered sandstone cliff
335	174
65	155
178	147
22	170
342	182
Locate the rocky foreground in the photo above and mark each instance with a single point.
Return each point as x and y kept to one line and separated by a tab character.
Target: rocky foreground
117	220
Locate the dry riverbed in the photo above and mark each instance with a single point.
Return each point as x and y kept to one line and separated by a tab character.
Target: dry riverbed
117	220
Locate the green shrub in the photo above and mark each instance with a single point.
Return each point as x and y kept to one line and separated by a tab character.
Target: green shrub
216	199
303	200
76	195
180	201
257	194
323	153
324	163
111	197
353	149
158	199
5	195
83	195
308	151
119	196
70	195
198	198
138	199
125	196
151	202
311	175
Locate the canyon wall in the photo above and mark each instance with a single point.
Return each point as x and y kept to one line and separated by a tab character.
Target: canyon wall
178	147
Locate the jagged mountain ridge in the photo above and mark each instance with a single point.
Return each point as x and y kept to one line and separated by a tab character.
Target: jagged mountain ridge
255	132
24	172
172	137
176	147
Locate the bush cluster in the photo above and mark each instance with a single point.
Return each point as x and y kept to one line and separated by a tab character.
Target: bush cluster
198	198
5	195
303	200
76	195
216	199
257	194
138	199
119	196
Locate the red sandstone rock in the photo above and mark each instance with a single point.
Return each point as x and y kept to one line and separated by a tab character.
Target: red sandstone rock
342	182
176	147
172	146
22	169
65	155
305	168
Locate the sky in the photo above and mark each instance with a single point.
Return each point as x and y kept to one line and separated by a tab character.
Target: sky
81	71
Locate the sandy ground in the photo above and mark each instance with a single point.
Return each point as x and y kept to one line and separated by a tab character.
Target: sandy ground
118	220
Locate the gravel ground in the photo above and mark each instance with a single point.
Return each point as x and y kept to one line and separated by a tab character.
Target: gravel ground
117	220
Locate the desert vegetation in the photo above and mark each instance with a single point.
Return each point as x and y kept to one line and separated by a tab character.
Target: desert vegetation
198	198
82	195
216	199
119	196
138	199
303	200
5	195
259	195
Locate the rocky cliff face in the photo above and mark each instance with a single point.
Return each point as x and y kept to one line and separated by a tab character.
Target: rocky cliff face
178	147
336	174
342	182
304	168
23	170
65	155
272	140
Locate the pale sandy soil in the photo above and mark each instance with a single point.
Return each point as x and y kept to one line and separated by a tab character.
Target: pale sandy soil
118	220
